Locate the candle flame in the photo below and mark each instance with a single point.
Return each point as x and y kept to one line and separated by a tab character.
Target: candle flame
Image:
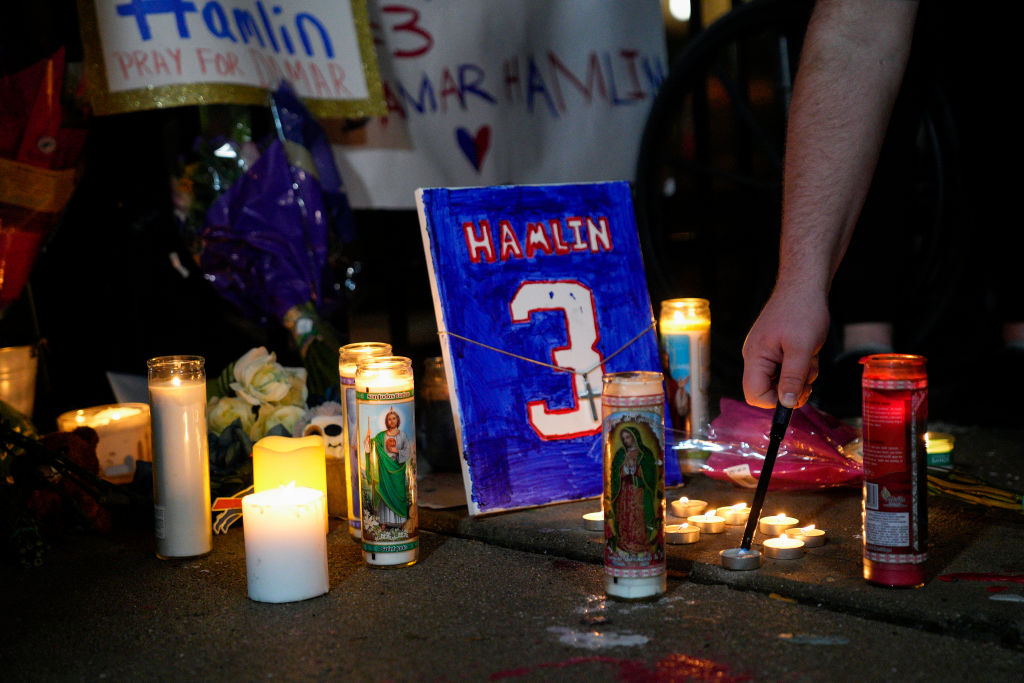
809	527
684	499
739	506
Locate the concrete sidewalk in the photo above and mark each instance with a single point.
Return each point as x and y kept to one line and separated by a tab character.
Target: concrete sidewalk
519	596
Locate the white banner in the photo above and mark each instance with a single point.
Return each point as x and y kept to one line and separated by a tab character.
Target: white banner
496	92
156	53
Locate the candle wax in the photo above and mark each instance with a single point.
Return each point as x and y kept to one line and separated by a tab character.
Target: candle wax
181	468
783	547
285	544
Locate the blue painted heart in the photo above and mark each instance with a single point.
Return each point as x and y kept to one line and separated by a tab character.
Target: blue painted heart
474	146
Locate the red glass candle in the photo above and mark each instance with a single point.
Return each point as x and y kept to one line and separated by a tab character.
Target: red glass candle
895	508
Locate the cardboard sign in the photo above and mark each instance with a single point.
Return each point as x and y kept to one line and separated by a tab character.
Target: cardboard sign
146	54
503	92
538	290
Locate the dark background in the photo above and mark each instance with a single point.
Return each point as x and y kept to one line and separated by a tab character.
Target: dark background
105	296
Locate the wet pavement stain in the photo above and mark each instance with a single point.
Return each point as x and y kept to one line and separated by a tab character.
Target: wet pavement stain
673	667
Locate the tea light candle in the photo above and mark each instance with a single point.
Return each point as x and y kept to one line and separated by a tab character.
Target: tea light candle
734	515
282	460
738	559
811	536
682	533
709	522
124	433
774	525
594	521
684	507
285	544
783	547
181	456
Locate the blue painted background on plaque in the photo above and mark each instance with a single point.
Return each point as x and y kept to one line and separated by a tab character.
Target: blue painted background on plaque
508	463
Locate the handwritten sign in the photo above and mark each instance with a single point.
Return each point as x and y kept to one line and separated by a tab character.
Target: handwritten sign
538	291
145	54
503	92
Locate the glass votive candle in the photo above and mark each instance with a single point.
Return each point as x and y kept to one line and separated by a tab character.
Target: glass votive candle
181	457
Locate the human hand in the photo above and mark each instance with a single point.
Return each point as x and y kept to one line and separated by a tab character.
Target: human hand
780	354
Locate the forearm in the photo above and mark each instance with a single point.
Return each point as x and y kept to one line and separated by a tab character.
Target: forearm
850	71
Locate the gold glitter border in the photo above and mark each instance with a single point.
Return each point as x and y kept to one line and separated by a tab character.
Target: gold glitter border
160	97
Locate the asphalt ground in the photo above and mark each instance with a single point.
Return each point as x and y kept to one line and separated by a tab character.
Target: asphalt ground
519	596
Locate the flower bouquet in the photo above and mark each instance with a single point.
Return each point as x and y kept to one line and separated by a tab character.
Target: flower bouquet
266	223
253	397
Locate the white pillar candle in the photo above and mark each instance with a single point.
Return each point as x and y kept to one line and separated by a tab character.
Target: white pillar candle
124	436
387	464
181	460
283	460
285	544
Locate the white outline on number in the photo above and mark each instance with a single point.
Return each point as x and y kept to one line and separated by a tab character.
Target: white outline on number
576	302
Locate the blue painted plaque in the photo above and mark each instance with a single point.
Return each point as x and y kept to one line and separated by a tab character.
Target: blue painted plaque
539	290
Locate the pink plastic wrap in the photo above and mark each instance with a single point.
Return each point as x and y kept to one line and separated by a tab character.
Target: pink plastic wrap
819	451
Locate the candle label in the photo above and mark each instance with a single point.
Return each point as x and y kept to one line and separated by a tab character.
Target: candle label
387	470
634	485
355	513
895	516
687	361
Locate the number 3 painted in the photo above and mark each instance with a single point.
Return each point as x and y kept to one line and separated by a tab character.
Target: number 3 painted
576	302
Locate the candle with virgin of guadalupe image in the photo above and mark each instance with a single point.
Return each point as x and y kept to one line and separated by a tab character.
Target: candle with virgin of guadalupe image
633	435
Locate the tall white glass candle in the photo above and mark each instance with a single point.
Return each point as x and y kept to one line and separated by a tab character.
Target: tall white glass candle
348	359
181	459
685	326
387	463
285	545
633	434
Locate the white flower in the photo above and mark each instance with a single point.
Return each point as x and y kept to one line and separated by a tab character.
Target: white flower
273	415
261	379
221	411
297	392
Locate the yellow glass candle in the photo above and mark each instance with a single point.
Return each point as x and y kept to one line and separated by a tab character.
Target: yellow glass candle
685	326
283	461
